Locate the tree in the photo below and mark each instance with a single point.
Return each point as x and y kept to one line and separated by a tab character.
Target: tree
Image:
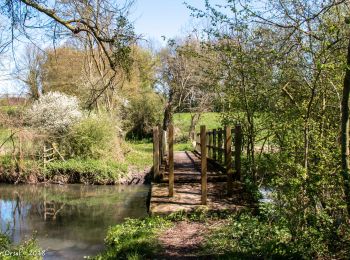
56	76
300	48
31	71
4	39
282	75
345	130
186	74
101	25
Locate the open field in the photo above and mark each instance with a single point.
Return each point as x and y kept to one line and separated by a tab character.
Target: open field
182	121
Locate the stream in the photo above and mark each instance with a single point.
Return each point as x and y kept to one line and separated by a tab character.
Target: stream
68	221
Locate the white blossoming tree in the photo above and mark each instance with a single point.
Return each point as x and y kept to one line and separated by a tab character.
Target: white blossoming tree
54	112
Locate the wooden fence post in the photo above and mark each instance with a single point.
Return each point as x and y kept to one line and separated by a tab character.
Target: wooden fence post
228	159
220	145
238	151
160	143
164	145
207	144
211	145
214	145
156	156
203	165
171	159
198	148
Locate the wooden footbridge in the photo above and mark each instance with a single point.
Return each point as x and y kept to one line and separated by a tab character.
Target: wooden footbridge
208	177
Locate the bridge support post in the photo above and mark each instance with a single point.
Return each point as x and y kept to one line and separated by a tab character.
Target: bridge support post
156	155
238	151
198	148
211	150
228	159
220	142
171	159
203	165
160	144
215	145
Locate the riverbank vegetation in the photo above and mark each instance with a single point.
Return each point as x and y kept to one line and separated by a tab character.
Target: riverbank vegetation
28	250
224	236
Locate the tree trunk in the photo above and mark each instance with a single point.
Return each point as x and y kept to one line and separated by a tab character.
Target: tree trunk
345	131
168	111
194	120
306	147
168	115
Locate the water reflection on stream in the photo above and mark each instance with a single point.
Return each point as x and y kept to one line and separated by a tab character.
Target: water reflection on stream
70	221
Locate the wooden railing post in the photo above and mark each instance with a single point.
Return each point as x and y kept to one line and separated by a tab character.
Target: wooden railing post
160	143
203	165
228	159
207	143
198	148
211	145
238	151
220	142
171	159
156	157
164	145
214	145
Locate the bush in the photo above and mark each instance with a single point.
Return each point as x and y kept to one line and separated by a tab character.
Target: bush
54	112
91	138
249	237
141	115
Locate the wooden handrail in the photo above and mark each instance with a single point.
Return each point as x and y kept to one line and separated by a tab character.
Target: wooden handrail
210	145
219	146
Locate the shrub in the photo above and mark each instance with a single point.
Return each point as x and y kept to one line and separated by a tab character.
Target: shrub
54	112
141	114
91	138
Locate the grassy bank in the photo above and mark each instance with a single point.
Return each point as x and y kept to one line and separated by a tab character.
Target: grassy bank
182	122
137	158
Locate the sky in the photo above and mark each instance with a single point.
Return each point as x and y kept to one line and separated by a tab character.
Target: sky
156	18
152	19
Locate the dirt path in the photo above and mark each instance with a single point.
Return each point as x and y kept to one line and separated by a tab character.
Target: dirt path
184	240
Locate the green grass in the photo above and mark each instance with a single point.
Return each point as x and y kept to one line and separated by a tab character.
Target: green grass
134	239
139	154
182	121
183	147
248	237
